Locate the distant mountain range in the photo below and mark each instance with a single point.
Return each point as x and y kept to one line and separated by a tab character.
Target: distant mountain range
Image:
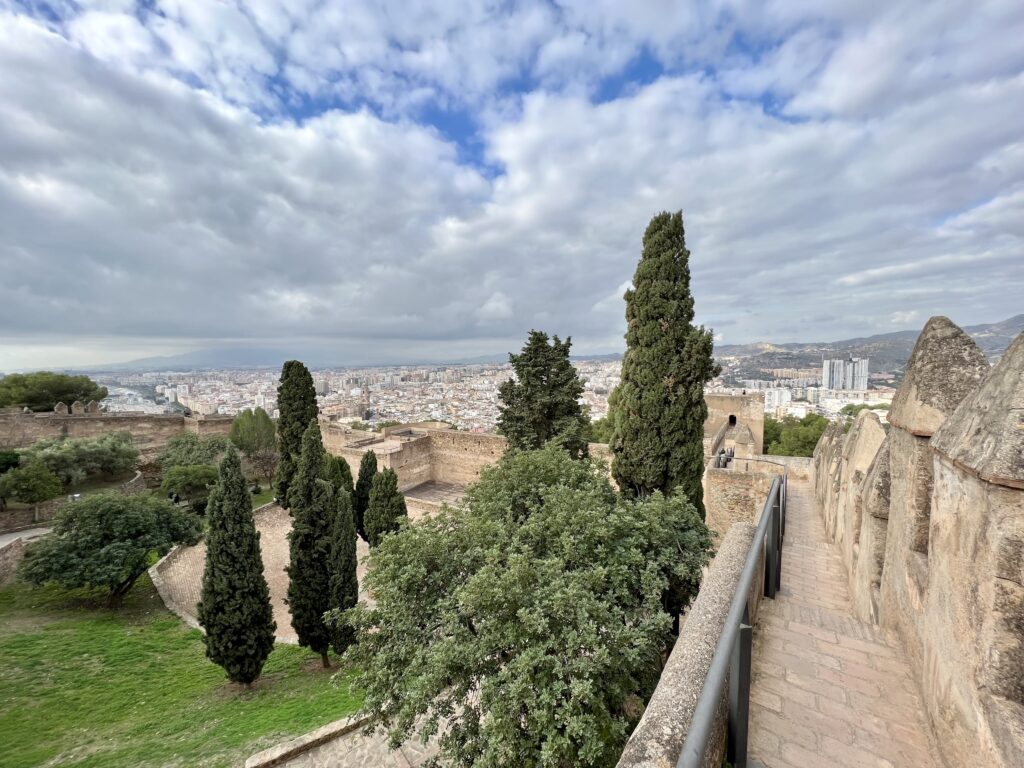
888	351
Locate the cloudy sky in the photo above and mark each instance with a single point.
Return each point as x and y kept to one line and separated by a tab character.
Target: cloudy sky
373	180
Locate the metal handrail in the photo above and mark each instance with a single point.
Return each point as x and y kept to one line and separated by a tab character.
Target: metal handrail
731	661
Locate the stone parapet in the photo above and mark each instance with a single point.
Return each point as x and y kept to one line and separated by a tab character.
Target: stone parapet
658	738
938	548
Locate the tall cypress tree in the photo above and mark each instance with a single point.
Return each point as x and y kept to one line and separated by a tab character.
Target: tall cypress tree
659	408
386	506
344	582
296	400
361	497
542	403
339	473
309	571
234	606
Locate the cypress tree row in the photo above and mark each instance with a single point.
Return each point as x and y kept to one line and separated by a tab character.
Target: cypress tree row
234	606
659	408
361	497
344	582
542	402
339	473
296	400
309	571
386	506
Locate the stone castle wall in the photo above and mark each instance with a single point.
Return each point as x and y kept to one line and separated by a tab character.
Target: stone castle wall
20	518
748	410
433	452
736	495
150	432
930	522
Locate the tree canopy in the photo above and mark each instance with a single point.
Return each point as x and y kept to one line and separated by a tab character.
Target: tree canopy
659	408
385	508
340	474
234	607
530	617
344	581
600	430
296	401
30	483
542	403
361	495
191	482
253	431
106	540
792	436
314	509
42	390
75	459
254	434
188	448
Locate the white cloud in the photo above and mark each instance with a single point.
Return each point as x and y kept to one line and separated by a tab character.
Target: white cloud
187	176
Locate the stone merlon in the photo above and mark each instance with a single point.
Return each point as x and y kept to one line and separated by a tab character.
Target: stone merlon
985	434
944	367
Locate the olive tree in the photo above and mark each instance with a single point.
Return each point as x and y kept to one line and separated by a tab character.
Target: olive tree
106	541
530	620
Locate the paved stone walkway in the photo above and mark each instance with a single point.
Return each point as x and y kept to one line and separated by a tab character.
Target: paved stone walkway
355	750
828	690
26	534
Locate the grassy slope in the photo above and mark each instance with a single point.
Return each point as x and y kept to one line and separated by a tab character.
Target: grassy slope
81	686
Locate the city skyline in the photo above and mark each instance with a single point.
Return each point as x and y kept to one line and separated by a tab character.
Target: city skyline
434	182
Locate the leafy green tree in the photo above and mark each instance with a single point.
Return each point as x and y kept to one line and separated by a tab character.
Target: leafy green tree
772	430
600	431
254	434
253	431
386	507
659	404
542	402
340	474
31	483
314	509
42	390
799	437
234	607
296	400
76	459
9	460
361	497
106	540
187	448
344	581
530	617
191	482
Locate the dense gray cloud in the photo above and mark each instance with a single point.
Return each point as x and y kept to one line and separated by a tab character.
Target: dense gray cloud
218	173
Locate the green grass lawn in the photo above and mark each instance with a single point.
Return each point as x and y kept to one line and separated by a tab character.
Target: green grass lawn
84	686
264	497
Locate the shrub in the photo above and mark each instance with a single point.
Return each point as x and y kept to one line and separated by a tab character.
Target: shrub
31	483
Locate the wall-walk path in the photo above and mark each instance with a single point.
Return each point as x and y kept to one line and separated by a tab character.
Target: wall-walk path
828	689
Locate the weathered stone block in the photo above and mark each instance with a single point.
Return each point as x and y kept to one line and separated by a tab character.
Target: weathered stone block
986	433
944	367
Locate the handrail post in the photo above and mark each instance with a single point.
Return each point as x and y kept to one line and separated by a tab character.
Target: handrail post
771	551
739	695
777	533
